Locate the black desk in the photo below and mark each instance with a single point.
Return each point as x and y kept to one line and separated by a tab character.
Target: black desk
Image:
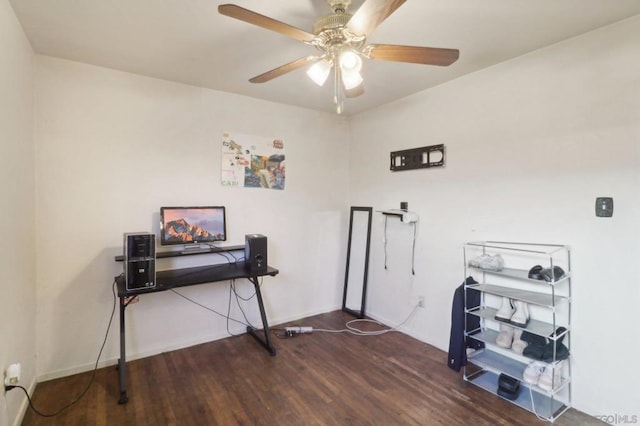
166	280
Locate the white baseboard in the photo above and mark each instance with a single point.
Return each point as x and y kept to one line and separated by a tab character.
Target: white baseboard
17	421
405	329
172	347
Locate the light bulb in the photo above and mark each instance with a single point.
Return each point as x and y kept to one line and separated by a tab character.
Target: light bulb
350	61
351	79
319	72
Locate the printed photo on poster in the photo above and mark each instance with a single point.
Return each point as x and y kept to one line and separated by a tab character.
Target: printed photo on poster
252	161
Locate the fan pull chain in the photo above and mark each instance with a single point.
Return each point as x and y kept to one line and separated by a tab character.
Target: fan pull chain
337	84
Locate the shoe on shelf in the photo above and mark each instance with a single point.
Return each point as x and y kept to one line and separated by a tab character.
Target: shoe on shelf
518	345
505	338
506	310
551	376
521	315
534	351
558	352
533	339
488	262
533	372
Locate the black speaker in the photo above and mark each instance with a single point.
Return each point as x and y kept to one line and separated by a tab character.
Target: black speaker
139	261
255	252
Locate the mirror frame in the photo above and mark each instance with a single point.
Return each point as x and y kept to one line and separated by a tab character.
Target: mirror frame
361	313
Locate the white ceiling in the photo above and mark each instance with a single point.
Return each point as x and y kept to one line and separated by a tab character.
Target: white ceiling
187	41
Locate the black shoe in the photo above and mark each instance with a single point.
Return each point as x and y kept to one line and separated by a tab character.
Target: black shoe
533	339
561	351
534	352
554	274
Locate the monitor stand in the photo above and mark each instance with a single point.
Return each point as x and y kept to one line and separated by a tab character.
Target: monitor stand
194	248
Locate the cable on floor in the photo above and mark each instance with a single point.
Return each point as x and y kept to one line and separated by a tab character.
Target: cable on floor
95	367
350	328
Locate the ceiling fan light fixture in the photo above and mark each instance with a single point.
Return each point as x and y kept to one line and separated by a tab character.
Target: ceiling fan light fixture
342	38
351	79
319	72
350	61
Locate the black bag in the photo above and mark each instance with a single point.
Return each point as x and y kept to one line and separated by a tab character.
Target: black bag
508	387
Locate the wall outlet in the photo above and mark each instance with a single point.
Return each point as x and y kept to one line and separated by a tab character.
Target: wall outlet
12	375
420	301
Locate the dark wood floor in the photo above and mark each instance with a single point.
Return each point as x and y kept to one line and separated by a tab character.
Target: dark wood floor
315	379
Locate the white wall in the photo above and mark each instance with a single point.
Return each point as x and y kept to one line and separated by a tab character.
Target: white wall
112	148
530	145
17	193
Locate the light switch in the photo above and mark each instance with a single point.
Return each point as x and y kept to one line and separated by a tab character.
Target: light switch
604	207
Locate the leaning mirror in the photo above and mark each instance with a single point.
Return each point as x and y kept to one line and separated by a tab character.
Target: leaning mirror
355	280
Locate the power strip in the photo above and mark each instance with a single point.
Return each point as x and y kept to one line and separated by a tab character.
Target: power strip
292	331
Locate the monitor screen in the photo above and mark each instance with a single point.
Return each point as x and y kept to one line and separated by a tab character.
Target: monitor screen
192	225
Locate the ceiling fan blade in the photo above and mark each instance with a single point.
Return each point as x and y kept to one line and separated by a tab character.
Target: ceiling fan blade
371	14
277	72
413	54
254	18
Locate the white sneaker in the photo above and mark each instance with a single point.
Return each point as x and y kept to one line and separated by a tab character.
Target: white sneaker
518	344
521	316
506	310
533	372
505	338
551	377
488	262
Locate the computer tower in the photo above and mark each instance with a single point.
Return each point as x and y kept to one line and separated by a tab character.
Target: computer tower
255	253
139	261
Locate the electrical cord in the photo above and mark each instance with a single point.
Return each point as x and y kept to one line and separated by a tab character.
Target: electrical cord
358	332
533	406
229	310
350	328
232	291
93	375
207	308
238	298
233	286
225	253
236	259
413	247
385	242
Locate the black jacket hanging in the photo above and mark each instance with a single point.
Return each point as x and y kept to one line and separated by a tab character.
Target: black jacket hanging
457	345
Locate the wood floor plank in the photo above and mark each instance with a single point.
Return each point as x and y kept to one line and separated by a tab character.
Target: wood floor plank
316	379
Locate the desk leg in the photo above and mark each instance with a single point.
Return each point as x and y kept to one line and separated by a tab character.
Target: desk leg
266	341
122	362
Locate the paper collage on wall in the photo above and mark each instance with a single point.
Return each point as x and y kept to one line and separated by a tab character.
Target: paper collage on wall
252	161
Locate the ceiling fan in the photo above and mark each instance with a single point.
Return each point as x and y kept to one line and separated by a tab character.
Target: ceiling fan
341	39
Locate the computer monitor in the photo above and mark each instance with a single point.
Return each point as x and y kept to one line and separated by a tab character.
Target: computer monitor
192	225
